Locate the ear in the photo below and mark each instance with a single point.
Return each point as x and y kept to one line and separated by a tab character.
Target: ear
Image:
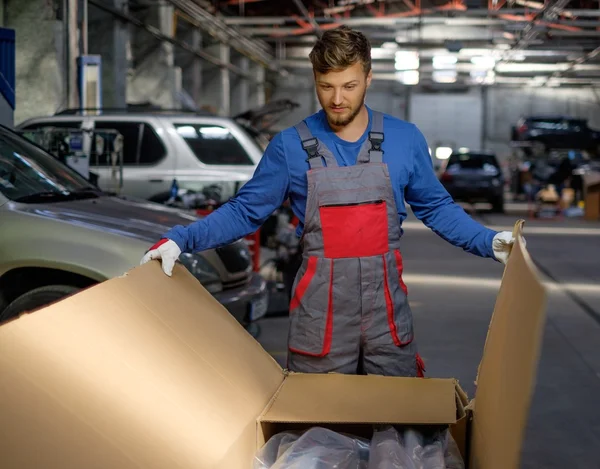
369	77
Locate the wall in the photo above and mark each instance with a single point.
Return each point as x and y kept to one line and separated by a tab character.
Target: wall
6	113
39	48
507	105
449	119
153	78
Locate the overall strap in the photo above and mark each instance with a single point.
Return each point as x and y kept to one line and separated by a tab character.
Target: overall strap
376	138
312	146
370	151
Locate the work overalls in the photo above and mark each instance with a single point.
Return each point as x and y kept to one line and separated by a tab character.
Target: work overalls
349	311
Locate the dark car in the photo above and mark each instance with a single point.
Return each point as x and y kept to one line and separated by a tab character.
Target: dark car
557	132
474	177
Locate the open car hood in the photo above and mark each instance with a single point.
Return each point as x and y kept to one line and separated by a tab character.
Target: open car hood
262	118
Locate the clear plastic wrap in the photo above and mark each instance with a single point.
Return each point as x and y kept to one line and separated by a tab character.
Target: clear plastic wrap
388	451
452	457
317	448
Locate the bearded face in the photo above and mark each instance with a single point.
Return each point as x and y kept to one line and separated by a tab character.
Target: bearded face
342	93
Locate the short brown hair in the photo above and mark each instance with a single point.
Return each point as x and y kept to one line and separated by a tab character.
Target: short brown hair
341	48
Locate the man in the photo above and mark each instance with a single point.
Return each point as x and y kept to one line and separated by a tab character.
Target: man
348	171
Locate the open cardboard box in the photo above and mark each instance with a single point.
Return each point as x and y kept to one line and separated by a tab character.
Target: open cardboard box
145	371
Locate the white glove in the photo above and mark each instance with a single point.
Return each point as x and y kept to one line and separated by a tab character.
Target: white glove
167	251
502	245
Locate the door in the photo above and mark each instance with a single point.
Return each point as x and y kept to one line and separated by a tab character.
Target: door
448	120
146	165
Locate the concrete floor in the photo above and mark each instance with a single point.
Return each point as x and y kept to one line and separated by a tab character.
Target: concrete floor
452	309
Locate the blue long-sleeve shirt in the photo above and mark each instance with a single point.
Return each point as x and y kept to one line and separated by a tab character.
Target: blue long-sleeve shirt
281	174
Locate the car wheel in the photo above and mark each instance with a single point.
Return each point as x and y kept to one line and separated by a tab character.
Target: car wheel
497	205
36	298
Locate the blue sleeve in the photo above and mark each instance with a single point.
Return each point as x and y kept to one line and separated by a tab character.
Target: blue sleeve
246	212
434	206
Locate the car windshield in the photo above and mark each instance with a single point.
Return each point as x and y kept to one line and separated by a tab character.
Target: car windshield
472	160
29	174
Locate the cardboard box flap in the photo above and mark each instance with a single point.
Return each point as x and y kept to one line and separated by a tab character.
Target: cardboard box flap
508	368
139	371
336	398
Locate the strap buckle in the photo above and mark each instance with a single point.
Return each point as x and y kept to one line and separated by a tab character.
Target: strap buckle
311	146
376	139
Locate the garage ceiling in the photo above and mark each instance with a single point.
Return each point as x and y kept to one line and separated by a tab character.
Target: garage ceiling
517	42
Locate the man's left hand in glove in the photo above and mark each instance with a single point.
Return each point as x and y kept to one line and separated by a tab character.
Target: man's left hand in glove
502	245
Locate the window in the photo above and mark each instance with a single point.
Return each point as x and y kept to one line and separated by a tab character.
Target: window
141	145
51	136
27	170
71	124
472	160
213	144
152	149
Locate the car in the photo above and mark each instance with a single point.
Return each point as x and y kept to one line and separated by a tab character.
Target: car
196	149
557	132
60	234
472	176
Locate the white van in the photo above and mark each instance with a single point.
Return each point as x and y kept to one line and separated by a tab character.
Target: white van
160	146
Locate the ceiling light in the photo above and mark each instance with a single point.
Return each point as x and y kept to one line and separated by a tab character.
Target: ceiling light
408	77
389	45
444	76
444	61
406	60
483	61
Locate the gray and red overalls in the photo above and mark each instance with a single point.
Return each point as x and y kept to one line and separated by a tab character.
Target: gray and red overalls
349	311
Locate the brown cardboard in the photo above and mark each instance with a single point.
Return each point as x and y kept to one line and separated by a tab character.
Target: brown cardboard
508	368
135	372
591	182
352	399
149	371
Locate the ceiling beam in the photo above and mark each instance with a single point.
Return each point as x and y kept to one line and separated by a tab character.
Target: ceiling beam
163	37
395	20
216	27
307	17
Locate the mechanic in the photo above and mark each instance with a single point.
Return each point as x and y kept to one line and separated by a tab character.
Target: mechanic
348	171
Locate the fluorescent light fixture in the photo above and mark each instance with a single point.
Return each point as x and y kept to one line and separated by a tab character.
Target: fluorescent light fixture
444	76
483	61
408	77
389	45
406	60
443	153
528	68
444	61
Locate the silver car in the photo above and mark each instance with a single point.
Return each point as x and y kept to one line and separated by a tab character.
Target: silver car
59	234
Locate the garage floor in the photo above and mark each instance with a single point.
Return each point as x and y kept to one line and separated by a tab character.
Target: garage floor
452	308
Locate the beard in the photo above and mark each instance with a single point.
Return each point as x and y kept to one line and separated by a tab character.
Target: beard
337	120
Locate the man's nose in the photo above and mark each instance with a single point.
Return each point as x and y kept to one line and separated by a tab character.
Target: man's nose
337	97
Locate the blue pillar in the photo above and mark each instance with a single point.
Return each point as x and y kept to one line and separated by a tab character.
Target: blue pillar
7	76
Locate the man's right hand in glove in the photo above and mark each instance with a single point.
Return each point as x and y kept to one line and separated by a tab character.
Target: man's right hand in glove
165	250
